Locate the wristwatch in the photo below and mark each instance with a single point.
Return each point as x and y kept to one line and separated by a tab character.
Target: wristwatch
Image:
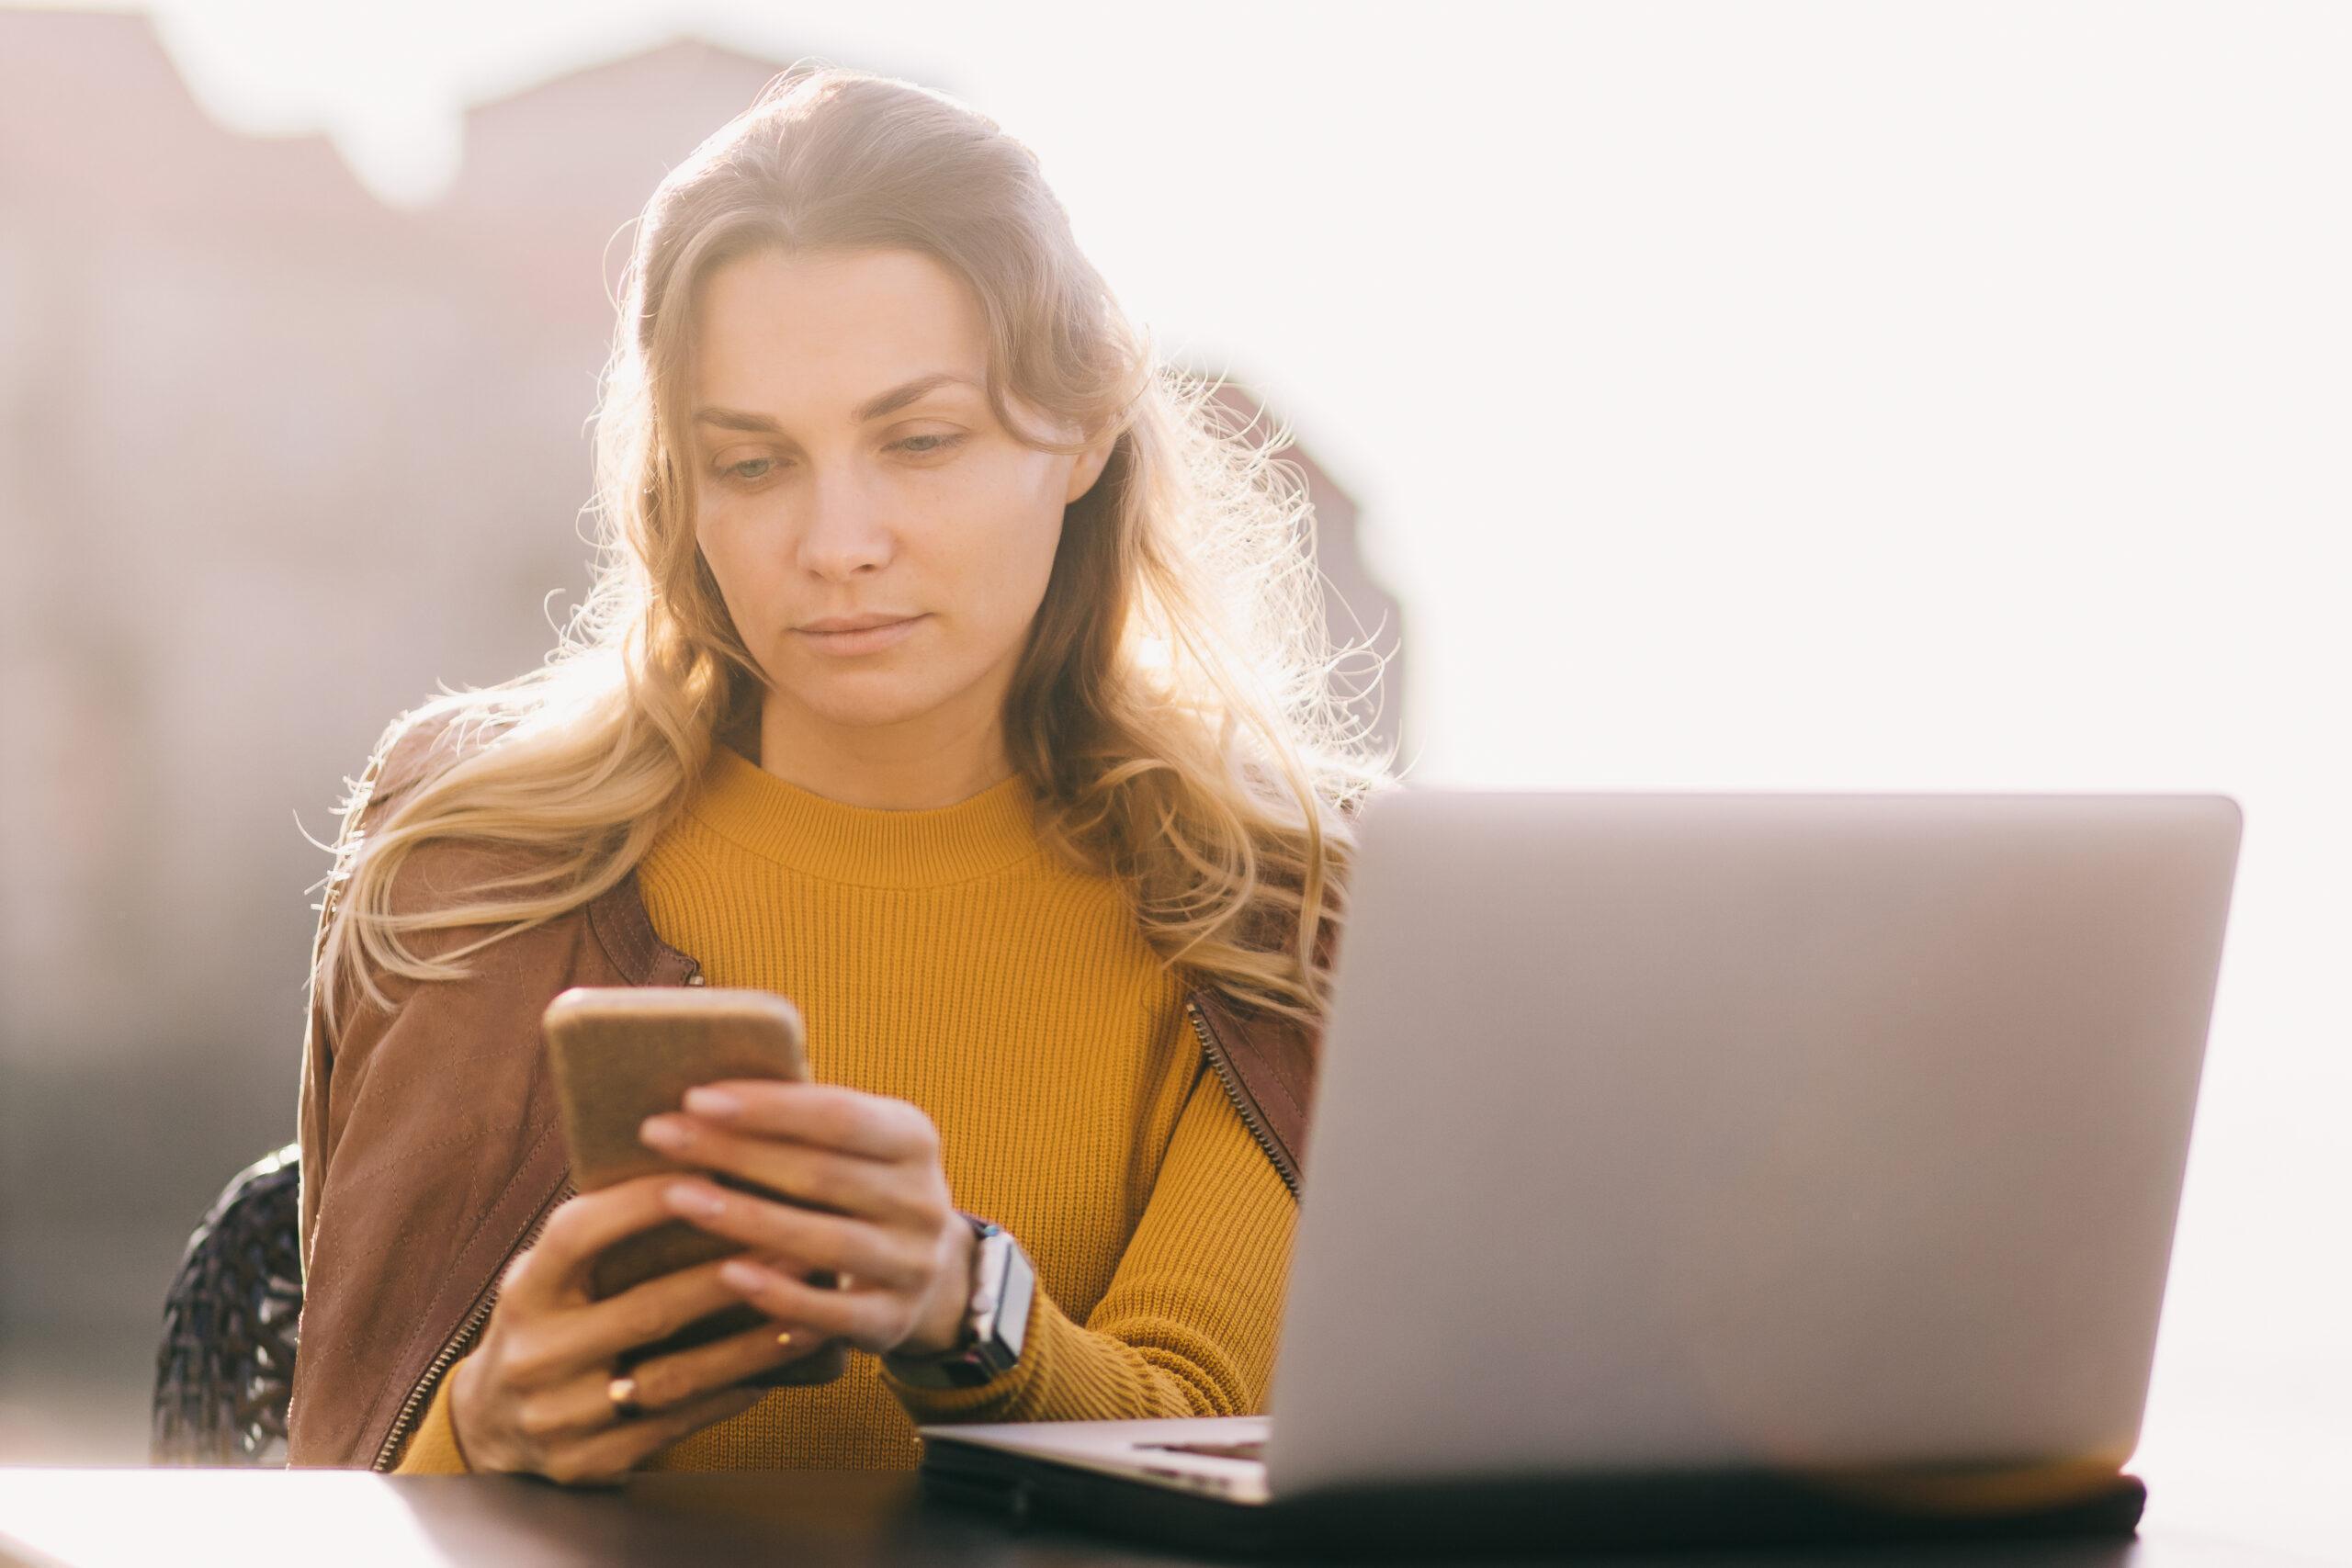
1002	1282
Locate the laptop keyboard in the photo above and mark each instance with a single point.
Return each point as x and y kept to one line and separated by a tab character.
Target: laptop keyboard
1249	1447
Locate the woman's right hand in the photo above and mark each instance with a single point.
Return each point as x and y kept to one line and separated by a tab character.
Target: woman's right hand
531	1394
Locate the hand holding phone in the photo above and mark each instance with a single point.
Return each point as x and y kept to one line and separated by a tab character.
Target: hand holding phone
532	1394
621	1054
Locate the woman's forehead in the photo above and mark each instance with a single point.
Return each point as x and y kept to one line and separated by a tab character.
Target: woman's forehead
840	312
822	348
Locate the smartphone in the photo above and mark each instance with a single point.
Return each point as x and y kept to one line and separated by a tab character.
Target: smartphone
621	1054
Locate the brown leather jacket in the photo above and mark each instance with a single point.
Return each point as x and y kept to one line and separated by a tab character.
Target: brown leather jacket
431	1151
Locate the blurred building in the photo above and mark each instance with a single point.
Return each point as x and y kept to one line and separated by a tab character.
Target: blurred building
274	459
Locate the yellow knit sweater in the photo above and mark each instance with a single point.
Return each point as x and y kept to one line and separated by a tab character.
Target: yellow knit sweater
944	957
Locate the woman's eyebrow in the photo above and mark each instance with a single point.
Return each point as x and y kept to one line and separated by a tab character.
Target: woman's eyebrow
874	407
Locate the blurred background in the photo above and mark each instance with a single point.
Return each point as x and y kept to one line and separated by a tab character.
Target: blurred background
1816	397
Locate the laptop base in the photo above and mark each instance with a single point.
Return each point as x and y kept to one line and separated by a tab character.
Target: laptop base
1490	1516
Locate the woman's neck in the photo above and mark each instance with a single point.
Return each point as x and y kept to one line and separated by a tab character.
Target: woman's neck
883	770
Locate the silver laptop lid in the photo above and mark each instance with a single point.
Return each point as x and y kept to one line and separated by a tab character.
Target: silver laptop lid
1698	1130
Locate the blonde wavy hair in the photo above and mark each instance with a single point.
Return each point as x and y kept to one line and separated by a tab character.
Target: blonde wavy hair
1173	706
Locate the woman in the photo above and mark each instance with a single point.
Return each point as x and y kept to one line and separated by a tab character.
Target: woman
951	670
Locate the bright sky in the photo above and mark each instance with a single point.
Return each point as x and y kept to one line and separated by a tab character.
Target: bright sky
1803	396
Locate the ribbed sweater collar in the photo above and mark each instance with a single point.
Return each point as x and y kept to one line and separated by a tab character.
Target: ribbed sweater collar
866	845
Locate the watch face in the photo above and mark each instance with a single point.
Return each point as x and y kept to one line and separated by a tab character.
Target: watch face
989	1268
1013	1307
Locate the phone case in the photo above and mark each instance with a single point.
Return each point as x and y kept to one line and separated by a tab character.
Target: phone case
621	1054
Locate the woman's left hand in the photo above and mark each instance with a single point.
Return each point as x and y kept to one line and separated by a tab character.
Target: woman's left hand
904	1255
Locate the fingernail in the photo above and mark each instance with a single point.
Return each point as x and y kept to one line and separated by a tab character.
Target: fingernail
743	1276
712	1102
688	1198
664	1134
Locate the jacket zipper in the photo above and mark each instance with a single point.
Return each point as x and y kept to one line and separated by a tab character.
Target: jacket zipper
1250	1117
454	1348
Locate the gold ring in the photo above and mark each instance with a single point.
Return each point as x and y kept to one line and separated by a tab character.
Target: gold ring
784	1337
622	1392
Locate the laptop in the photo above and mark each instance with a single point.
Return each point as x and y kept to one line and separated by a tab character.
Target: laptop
1695	1168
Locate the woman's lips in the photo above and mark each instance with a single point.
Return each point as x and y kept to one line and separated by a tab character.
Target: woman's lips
870	640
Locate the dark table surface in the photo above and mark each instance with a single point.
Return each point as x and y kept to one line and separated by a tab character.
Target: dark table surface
165	1519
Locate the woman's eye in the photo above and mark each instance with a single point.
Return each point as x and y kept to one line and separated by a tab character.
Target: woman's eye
753	469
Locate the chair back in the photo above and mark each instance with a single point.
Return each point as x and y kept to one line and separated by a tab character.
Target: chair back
225	1369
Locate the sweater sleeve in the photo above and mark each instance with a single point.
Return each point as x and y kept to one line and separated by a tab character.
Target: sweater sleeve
1189	1323
432	1447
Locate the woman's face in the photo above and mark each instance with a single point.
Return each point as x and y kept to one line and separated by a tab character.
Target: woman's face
833	483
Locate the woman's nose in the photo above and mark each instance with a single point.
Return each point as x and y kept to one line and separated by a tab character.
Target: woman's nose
845	529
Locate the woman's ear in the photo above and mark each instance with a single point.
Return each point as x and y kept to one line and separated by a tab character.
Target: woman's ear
1089	468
